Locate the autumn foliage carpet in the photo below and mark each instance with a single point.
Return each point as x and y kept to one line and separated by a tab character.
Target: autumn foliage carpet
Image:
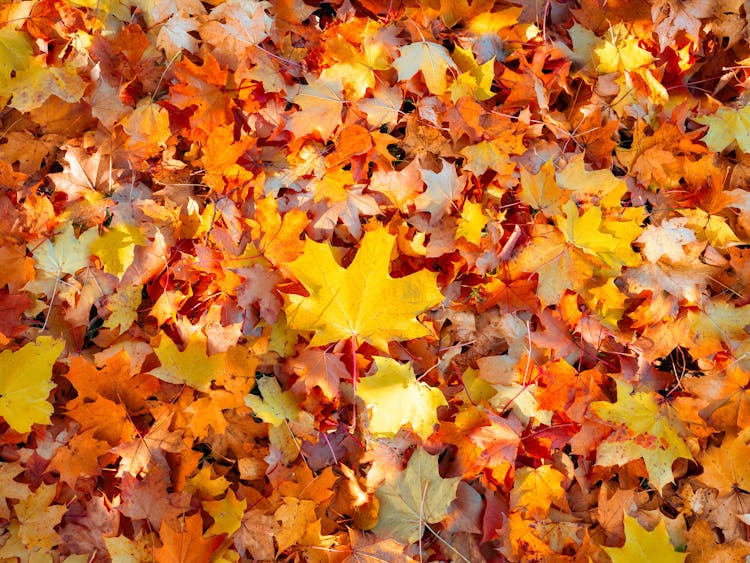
437	280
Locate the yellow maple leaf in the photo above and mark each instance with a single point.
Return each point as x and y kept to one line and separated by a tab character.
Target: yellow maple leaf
608	238
620	51
475	79
493	22
191	366
33	85
362	301
279	409
16	50
599	186
25	383
645	431
203	483
395	398
430	58
727	126
123	307
227	514
67	254
713	228
471	223
116	248
540	191
535	490
276	405
642	546
717	323
608	302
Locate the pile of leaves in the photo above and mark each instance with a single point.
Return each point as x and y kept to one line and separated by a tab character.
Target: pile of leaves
374	281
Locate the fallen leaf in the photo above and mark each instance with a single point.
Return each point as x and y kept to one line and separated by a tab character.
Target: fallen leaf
414	499
25	382
395	398
644	546
362	301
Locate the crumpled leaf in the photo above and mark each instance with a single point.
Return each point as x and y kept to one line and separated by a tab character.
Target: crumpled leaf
395	398
645	431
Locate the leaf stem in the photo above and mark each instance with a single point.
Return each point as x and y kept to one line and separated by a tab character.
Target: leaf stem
453	549
355	377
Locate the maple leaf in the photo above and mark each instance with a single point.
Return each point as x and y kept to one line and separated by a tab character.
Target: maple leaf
321	102
443	188
599	187
67	254
298	524
475	80
540	191
608	239
717	323
108	419
123	306
620	51
560	266
11	489
396	398
176	34
256	535
727	126
32	85
366	547
183	541
535	490
431	59
317	368
148	128
672	17
414	499
79	457
667	240
649	433
37	518
202	87
727	468
25	383
276	406
227	514
472	222
83	174
191	366
116	247
123	550
235	25
16	49
644	546
279	409
362	301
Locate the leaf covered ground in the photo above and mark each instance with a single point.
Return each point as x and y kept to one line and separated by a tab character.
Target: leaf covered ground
395	281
